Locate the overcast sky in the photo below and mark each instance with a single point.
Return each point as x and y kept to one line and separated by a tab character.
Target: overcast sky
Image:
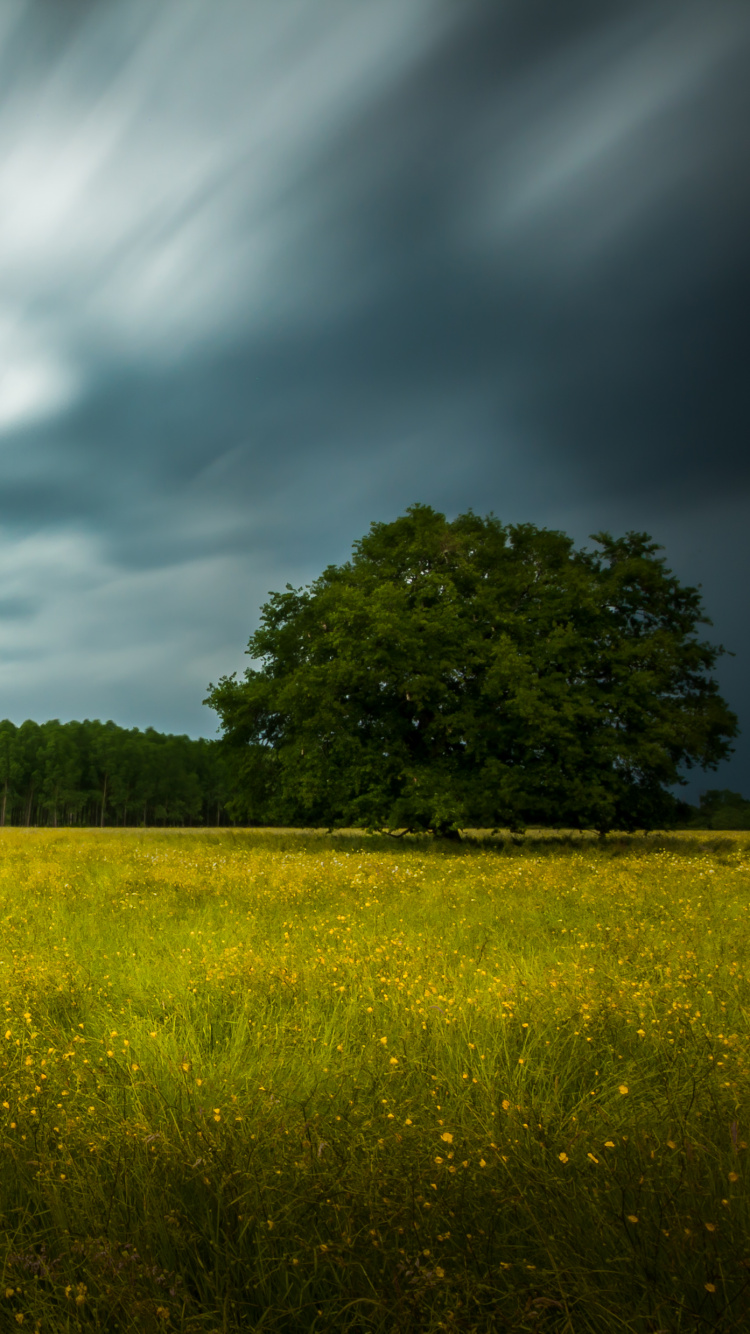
271	270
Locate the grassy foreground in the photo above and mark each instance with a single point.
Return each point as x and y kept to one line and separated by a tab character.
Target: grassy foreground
292	1083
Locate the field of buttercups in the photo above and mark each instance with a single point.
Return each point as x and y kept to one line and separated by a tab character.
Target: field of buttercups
289	1082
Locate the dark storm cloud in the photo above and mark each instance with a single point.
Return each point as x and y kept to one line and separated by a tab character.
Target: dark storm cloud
15	609
270	272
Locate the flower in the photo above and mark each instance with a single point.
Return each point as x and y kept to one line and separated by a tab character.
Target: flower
563	1157
710	1287
623	1089
446	1137
632	1218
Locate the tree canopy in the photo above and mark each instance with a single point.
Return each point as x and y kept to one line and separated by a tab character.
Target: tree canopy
471	674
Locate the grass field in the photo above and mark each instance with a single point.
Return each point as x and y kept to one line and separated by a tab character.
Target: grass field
281	1082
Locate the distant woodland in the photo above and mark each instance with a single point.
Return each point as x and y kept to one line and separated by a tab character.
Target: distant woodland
94	773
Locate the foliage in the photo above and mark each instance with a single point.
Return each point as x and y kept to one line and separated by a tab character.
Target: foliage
293	1084
463	673
722	809
97	773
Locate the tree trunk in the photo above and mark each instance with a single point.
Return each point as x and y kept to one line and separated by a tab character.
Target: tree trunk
104	802
5	803
28	807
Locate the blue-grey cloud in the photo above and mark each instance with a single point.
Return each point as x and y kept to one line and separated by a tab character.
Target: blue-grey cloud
17	608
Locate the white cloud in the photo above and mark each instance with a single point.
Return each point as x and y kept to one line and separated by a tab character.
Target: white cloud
153	206
35	380
32	389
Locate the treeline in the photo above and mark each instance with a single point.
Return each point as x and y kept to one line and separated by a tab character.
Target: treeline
720	809
94	773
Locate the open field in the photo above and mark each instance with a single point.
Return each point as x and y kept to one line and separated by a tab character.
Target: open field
291	1083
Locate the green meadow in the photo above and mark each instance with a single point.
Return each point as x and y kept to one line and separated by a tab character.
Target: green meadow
297	1082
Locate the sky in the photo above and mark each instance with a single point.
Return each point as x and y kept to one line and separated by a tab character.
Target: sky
271	270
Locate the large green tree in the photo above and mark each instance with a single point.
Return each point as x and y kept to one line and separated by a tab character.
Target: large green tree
470	674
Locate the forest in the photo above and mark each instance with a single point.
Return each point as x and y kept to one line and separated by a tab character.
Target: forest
95	773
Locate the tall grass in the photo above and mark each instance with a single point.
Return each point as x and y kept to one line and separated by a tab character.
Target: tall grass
294	1083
